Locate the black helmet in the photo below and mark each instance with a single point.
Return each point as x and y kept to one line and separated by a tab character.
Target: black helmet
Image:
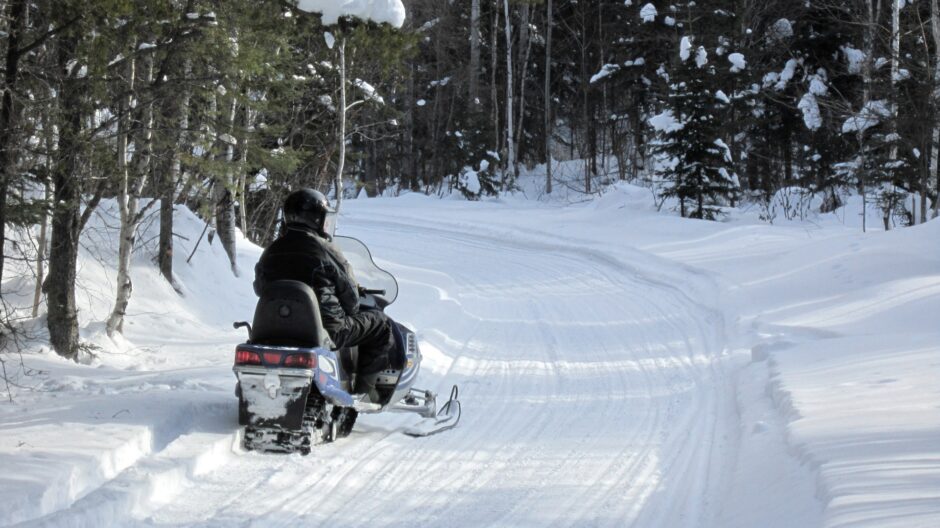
308	208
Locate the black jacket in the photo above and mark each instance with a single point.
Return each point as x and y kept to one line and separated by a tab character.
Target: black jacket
303	256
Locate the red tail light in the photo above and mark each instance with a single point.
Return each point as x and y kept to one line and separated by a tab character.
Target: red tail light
272	359
247	357
307	361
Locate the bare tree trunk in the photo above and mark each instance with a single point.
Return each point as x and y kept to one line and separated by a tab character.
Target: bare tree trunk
412	160
526	41
935	143
66	218
341	163
548	98
9	114
241	185
494	91
170	169
895	72
510	141
475	52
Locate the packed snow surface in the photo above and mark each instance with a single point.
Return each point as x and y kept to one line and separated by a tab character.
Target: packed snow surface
618	367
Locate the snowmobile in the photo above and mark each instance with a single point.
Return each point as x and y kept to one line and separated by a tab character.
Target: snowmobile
295	388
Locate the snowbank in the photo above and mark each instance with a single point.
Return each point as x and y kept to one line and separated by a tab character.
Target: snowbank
151	408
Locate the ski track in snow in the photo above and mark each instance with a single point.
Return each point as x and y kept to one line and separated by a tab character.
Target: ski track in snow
593	395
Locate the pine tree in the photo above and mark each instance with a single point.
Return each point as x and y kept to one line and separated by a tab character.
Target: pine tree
697	163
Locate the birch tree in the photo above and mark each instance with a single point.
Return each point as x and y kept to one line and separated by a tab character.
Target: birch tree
474	52
510	140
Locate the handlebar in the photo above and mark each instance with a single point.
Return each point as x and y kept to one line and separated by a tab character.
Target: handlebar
367	291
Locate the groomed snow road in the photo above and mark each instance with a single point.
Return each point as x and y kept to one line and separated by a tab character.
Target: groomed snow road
594	394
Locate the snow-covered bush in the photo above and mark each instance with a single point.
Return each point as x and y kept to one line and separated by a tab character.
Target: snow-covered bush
482	180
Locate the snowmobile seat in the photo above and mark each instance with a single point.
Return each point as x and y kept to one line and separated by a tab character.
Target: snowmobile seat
288	314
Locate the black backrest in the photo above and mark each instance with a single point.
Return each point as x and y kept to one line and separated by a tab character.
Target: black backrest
288	314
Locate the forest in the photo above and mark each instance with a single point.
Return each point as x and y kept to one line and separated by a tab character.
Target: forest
225	107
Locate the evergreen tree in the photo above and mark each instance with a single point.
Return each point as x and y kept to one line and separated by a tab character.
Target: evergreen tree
696	161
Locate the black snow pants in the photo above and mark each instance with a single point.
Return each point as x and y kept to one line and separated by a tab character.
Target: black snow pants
371	331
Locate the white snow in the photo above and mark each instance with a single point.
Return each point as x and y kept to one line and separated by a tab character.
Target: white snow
737	61
648	13
369	91
685	48
604	72
701	57
782	29
725	149
810	108
870	115
785	76
855	58
665	121
618	366
722	96
329	38
470	180
817	84
389	11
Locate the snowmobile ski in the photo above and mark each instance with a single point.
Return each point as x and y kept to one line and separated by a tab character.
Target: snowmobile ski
446	419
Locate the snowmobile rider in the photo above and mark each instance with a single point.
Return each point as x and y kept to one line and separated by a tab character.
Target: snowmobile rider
304	252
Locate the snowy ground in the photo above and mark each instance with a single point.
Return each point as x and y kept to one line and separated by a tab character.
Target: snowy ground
617	366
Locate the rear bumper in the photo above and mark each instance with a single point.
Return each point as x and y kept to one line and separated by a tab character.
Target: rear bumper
277	397
272	398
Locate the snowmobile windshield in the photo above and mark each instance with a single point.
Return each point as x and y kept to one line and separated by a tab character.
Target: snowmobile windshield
368	274
329	223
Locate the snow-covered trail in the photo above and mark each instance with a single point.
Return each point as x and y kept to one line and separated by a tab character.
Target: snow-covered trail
593	394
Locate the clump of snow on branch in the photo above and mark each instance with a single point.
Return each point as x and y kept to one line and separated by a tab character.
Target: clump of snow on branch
379	11
780	30
725	149
817	83
869	116
369	91
666	122
810	107
854	59
701	57
685	48
648	13
779	80
737	62
809	103
607	70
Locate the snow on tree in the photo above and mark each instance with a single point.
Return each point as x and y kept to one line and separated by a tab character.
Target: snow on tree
698	166
379	11
737	61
